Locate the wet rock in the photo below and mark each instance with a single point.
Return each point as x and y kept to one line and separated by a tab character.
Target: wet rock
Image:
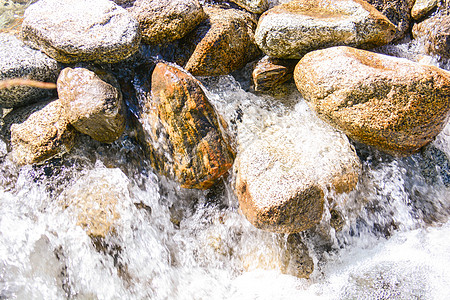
20	61
398	12
393	104
45	134
92	102
270	72
167	20
434	33
183	131
223	43
296	261
254	6
422	7
72	31
292	29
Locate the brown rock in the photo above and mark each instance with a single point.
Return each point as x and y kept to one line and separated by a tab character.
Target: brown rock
270	72
44	134
422	7
297	261
92	102
182	130
254	6
434	33
392	104
223	43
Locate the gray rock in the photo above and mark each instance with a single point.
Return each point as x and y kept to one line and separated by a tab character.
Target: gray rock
422	7
20	61
254	6
163	21
72	31
92	102
292	29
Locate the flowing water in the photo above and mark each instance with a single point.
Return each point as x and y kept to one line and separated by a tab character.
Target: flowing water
172	243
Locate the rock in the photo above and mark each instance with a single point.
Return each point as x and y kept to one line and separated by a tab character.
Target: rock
422	7
45	134
297	261
434	33
20	61
398	12
92	102
223	43
254	6
393	104
182	130
72	31
282	174
163	21
270	72
292	29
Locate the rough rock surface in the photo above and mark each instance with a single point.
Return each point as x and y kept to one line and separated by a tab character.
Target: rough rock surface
84	30
270	72
163	21
223	43
392	104
20	61
398	12
254	6
422	7
281	175
46	133
292	29
92	103
434	33
182	130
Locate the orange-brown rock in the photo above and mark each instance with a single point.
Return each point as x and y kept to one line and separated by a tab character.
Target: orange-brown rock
270	72
223	43
434	34
393	104
182	130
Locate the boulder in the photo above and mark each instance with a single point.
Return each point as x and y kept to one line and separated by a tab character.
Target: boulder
292	29
20	61
72	31
398	12
393	104
270	72
281	175
92	103
422	7
254	6
163	21
434	33
182	131
223	43
45	134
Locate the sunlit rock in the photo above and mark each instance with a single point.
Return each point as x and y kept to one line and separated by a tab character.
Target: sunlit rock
223	43
82	30
182	130
20	61
168	20
292	29
45	134
390	103
92	102
422	7
398	12
270	72
254	6
434	33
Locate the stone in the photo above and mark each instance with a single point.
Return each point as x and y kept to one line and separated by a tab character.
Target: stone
223	43
297	261
182	131
253	6
434	33
45	133
92	102
422	7
292	29
281	175
164	21
393	104
270	72
72	31
398	12
20	61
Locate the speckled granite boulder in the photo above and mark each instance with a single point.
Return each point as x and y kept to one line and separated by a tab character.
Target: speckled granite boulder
163	21
292	29
393	104
254	6
92	102
45	134
72	31
20	61
422	7
434	34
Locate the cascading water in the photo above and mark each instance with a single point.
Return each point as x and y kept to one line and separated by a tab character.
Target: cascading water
173	243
